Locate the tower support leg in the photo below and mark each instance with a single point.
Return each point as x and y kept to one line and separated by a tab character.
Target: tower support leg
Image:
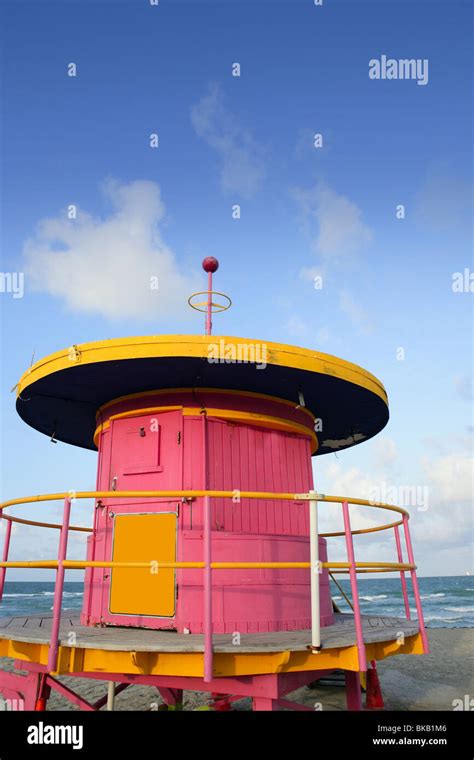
173	698
264	703
353	690
22	692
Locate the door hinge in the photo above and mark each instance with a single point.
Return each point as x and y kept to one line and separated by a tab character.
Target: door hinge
179	437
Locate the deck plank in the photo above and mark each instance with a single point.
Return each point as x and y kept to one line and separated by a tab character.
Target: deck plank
340	634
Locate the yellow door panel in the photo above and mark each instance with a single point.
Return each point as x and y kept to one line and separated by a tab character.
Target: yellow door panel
144	538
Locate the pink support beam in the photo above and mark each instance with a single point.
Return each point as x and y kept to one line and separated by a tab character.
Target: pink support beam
294	705
267	691
69	694
416	590
103	700
264	704
207	558
207	592
402	574
6	549
22	688
354	588
353	692
58	590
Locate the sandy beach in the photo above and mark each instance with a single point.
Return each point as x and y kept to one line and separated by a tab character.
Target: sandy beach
409	682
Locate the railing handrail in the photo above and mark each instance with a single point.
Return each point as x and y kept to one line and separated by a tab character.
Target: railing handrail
58	526
74	564
189	494
315	566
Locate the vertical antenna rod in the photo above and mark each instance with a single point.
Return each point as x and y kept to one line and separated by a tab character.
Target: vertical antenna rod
208	307
210	265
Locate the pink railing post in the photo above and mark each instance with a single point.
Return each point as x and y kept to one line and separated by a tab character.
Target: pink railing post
402	573
354	589
208	658
6	549
58	589
315	570
416	590
207	559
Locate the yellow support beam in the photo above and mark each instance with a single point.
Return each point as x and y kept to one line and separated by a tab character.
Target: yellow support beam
95	660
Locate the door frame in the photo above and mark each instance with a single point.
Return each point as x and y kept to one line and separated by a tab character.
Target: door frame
138	614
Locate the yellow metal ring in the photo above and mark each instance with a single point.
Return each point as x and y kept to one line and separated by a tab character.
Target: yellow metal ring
215	307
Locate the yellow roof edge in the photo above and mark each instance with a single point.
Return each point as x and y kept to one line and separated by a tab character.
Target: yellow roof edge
296	357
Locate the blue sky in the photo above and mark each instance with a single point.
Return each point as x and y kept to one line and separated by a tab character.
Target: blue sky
248	140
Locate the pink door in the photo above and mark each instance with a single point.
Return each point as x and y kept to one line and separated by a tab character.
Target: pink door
144	454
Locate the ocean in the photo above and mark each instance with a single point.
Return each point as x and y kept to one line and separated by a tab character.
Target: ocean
448	601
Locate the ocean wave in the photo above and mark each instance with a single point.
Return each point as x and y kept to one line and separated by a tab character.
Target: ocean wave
39	594
20	595
373	598
460	609
431	596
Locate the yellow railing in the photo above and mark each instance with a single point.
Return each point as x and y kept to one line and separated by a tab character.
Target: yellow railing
351	566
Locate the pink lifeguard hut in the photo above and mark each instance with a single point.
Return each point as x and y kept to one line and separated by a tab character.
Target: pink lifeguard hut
205	567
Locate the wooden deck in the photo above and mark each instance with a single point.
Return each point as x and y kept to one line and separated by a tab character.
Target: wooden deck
36	630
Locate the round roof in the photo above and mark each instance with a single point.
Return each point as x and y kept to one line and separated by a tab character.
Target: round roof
60	394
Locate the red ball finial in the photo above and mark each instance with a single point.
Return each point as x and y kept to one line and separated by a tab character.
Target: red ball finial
210	264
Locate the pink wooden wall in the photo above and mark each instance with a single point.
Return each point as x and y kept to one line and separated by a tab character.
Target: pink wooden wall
240	456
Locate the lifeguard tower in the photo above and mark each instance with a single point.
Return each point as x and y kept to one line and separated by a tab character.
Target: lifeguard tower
205	567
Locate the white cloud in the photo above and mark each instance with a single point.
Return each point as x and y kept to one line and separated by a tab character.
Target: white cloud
106	266
444	202
385	452
337	233
296	326
356	313
451	477
323	335
441	524
309	274
335	223
241	157
464	386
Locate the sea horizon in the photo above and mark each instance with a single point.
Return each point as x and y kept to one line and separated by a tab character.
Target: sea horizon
447	599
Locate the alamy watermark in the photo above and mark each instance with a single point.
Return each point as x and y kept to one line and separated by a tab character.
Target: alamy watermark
466	703
401	68
462	282
237	353
12	282
11	705
402	496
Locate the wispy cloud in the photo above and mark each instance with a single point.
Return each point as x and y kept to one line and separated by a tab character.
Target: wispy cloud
356	313
464	386
442	519
335	223
296	326
444	202
337	234
116	267
242	166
